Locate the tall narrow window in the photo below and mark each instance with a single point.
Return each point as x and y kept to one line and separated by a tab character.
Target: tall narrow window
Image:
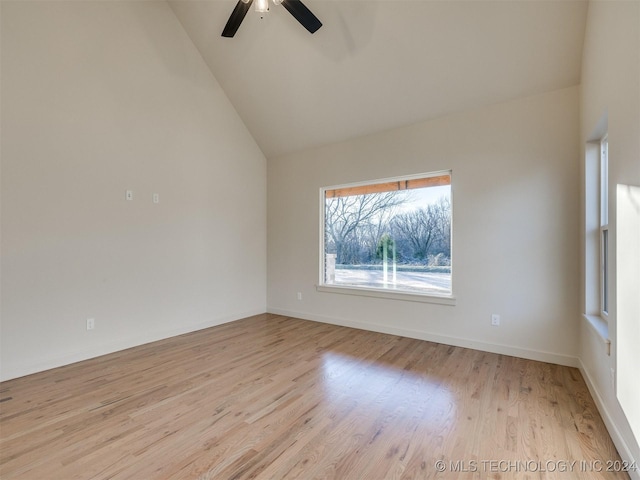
392	234
604	227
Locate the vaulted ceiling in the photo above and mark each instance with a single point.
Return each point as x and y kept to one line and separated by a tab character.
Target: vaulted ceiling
380	64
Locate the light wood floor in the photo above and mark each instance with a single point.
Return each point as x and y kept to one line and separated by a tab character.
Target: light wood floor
272	397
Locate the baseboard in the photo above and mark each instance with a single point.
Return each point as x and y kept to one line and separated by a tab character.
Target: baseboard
41	365
529	354
617	437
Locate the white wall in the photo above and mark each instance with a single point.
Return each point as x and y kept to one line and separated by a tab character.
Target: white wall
611	88
515	229
98	98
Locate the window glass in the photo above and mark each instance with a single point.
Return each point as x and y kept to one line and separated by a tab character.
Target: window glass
390	235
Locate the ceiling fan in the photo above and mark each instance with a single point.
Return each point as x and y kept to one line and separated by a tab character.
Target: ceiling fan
295	7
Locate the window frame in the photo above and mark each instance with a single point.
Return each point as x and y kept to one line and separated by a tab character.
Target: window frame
603	219
366	291
596	259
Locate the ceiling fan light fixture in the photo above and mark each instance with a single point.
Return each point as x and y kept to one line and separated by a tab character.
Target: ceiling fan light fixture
295	7
262	6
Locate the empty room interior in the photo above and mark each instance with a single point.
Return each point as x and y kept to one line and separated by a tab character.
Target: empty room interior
333	239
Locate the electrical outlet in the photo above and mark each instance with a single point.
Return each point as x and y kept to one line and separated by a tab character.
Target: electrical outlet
156	198
91	323
495	320
299	295
129	195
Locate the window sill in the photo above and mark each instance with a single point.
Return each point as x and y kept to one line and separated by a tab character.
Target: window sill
601	328
392	295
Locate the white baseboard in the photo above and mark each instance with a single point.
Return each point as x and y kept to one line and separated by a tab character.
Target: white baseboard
618	439
529	354
40	365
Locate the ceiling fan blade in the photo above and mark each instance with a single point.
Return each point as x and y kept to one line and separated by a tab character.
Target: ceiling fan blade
236	18
301	13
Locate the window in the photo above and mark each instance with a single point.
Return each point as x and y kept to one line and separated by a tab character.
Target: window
391	235
604	227
597	263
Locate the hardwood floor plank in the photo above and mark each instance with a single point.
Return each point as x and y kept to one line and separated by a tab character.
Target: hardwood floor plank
271	397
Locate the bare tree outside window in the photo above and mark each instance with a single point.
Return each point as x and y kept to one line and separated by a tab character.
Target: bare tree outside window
351	222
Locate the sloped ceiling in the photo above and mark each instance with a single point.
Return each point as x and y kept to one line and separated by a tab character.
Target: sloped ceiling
381	64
